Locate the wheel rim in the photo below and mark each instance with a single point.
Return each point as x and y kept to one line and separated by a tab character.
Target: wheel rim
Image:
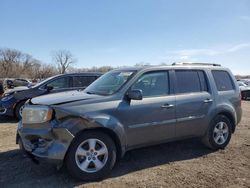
220	133
91	155
21	110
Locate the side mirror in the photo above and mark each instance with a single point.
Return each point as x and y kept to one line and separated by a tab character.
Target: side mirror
135	94
49	88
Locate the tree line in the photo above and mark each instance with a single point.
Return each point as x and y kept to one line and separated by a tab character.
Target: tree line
16	64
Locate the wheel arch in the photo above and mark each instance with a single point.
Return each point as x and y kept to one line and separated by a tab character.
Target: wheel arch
17	103
79	125
231	118
108	132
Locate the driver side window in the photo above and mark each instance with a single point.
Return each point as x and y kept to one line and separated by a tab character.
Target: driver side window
59	83
153	84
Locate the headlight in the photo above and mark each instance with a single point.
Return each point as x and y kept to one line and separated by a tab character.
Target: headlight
6	98
36	114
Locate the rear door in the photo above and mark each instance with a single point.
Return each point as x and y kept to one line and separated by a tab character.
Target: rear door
193	102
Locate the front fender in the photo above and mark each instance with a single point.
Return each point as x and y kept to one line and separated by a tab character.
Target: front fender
76	123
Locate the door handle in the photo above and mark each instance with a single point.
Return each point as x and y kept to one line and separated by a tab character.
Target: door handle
167	106
208	100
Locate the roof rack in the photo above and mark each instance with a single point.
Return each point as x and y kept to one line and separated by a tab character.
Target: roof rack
196	64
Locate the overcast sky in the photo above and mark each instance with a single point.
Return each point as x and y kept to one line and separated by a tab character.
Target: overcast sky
126	32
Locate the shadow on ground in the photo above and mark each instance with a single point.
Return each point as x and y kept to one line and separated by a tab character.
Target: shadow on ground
8	119
17	170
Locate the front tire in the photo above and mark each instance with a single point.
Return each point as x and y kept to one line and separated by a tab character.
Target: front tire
91	156
19	109
219	133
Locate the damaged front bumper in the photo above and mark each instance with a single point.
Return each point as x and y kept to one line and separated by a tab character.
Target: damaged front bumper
44	141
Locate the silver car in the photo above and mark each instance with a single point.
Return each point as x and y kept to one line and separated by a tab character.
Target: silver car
130	108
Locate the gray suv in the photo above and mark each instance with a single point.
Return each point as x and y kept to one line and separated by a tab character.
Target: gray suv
130	108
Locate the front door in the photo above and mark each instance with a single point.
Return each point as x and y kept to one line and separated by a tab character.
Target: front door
151	119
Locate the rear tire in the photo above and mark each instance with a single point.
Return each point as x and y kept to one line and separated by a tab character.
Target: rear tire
219	133
89	163
19	109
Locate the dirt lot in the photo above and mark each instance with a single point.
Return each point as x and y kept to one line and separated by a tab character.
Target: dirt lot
179	164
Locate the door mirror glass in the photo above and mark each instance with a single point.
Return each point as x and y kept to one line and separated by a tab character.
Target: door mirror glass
135	94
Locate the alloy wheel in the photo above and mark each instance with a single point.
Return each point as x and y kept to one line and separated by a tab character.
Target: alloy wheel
91	155
220	133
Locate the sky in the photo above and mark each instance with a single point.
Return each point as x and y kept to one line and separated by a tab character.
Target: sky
126	32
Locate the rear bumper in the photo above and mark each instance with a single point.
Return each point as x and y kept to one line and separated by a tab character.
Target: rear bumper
44	143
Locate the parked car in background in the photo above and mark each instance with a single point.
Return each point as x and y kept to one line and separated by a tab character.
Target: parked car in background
245	90
13	100
10	83
247	82
131	108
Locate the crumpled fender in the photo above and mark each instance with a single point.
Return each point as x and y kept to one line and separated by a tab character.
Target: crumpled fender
78	122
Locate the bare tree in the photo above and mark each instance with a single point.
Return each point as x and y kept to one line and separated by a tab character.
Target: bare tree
46	71
16	64
102	69
63	59
9	60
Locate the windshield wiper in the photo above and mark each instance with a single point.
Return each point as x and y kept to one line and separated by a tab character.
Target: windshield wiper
91	93
94	93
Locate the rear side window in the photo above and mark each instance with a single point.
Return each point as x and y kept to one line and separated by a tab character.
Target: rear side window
189	81
83	81
223	80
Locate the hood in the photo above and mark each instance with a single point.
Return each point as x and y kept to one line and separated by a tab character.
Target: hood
20	88
63	97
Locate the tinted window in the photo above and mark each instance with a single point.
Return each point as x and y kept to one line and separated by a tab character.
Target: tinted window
153	84
223	80
60	83
188	81
203	81
83	81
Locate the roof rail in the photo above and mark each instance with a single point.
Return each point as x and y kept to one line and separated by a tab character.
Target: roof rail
195	64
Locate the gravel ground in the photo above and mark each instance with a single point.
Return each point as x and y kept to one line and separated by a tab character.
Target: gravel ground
179	164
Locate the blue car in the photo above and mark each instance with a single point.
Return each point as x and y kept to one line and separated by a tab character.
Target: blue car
13	100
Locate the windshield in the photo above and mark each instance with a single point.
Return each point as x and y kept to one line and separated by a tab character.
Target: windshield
109	83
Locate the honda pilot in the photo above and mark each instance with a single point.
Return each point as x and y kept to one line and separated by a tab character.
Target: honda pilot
130	108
